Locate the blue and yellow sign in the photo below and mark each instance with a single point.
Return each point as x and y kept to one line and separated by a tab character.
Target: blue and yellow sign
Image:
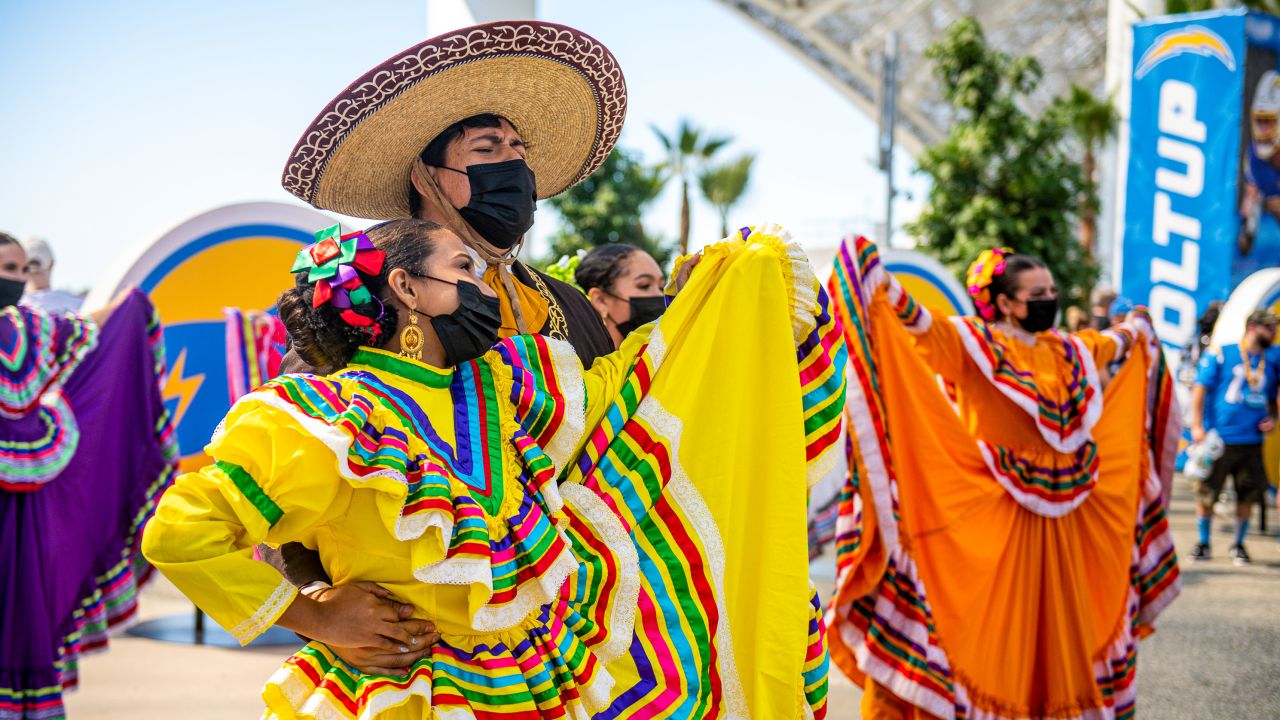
236	256
931	284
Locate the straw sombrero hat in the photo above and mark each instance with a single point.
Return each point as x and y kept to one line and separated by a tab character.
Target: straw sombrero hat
559	87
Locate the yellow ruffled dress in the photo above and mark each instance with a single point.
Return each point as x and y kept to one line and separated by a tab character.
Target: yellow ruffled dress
624	541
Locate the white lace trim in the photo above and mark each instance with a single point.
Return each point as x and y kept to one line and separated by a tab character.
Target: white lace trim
266	615
457	571
415	526
804	286
686	496
1092	411
608	528
530	597
858	412
568	370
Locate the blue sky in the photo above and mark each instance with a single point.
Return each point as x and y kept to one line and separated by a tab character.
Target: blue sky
124	119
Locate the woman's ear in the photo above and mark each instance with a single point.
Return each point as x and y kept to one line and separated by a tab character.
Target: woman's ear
1004	306
596	296
402	289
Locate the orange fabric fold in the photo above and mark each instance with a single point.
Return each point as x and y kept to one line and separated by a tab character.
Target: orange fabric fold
530	302
1022	603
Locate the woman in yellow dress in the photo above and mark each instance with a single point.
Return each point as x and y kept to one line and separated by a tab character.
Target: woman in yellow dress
576	555
1002	540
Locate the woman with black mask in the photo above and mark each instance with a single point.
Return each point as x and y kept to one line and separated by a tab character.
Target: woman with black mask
539	520
1021	515
624	284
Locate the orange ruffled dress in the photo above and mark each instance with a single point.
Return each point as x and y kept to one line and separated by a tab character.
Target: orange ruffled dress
1002	541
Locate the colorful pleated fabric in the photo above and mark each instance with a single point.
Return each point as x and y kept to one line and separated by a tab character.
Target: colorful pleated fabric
255	347
1007	490
623	542
72	569
38	352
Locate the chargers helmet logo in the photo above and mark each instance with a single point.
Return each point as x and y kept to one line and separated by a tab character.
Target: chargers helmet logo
1193	39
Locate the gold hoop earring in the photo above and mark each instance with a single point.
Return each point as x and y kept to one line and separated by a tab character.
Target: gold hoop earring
411	339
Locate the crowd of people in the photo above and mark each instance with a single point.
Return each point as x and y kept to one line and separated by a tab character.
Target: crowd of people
477	490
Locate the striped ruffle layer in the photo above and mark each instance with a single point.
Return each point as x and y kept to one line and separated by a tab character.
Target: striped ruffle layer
38	352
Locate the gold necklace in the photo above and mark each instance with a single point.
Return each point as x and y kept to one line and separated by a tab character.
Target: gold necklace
1249	370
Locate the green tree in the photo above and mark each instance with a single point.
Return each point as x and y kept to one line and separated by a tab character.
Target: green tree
1092	122
724	185
1175	7
606	208
688	151
1001	177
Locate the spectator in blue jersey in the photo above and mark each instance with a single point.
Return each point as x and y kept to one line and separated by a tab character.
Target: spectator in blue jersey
1235	395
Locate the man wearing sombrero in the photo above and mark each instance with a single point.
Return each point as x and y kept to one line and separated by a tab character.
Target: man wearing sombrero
469	129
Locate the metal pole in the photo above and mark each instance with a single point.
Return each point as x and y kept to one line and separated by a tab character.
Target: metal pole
888	119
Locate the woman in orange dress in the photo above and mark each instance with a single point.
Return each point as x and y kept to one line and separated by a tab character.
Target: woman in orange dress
1002	540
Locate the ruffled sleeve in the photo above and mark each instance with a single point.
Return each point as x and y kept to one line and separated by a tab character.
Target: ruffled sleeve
38	352
271	480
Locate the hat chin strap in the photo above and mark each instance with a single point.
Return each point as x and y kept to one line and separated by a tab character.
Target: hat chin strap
440	207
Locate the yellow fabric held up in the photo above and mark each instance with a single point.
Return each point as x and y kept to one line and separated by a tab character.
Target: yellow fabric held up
753	480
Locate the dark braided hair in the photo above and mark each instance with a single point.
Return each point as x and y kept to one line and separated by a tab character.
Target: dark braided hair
602	267
1006	283
319	335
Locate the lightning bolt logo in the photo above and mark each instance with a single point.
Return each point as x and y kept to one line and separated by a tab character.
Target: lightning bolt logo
179	388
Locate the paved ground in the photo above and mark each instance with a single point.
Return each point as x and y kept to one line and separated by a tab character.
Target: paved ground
1216	655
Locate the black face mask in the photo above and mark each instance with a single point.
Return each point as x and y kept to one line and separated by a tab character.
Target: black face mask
1100	322
1265	341
644	310
472	329
503	198
1040	315
11	291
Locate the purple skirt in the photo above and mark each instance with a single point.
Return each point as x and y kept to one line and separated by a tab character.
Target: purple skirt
69	562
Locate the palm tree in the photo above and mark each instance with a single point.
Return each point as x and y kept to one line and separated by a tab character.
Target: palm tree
687	151
724	185
1092	121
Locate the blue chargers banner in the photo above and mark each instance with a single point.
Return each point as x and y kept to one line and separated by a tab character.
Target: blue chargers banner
1182	207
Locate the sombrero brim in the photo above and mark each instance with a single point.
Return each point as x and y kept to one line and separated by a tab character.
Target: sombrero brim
561	89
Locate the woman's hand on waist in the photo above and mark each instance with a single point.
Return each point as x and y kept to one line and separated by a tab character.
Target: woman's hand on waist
370	630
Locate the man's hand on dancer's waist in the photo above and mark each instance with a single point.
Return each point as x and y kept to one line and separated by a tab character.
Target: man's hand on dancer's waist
369	629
